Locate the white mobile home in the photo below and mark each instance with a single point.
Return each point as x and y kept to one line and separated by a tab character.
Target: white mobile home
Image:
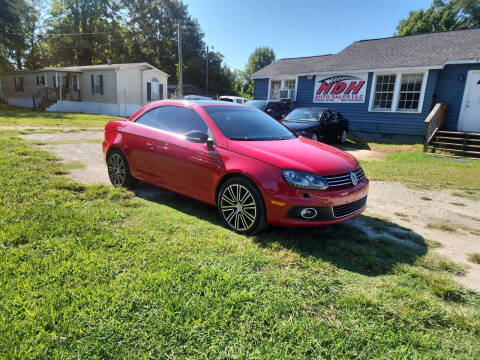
112	89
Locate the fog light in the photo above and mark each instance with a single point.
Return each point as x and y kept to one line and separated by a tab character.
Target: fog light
308	213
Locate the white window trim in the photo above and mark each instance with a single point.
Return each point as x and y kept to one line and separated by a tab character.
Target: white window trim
282	79
396	91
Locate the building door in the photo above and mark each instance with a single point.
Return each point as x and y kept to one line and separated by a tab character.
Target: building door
469	118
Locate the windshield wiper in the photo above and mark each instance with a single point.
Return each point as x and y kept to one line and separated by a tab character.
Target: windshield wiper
242	138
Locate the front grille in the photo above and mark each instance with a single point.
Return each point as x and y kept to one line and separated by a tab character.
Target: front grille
344	179
348	209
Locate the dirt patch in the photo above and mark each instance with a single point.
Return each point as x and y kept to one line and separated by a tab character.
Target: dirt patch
455	228
88	153
364	154
415	214
63	136
378	152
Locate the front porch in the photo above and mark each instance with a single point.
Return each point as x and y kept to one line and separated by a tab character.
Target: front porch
58	86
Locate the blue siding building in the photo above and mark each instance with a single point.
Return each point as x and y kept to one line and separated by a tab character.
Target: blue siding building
386	87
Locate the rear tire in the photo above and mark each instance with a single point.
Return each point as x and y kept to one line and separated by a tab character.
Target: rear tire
241	206
119	171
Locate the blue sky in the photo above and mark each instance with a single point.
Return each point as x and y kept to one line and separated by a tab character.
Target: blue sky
295	27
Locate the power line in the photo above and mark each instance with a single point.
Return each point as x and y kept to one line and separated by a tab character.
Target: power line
59	34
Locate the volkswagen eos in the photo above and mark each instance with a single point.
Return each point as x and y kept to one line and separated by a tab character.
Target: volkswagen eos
253	168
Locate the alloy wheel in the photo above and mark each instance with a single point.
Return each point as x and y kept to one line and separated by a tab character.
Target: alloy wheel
315	137
116	170
343	137
238	207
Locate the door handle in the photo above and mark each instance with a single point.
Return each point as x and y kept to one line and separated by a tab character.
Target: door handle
150	146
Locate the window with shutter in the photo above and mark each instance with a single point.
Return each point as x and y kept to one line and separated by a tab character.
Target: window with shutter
97	84
18	82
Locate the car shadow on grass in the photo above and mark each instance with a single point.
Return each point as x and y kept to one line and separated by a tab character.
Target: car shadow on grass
365	245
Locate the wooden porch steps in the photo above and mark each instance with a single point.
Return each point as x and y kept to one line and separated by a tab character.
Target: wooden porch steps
456	142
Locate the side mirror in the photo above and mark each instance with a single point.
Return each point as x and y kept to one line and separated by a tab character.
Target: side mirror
196	136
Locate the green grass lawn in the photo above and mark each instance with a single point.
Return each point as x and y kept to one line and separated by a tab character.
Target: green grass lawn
427	171
97	272
16	116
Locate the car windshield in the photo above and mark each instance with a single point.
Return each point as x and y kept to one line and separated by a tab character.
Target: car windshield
242	123
258	104
304	115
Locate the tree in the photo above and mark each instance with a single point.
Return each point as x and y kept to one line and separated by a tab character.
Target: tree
261	57
83	32
441	16
152	31
17	27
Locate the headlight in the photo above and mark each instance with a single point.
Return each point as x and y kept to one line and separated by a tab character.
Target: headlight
303	180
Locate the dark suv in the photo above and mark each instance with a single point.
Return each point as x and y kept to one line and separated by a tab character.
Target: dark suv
276	109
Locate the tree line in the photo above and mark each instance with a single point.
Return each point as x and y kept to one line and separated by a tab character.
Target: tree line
42	33
442	16
86	32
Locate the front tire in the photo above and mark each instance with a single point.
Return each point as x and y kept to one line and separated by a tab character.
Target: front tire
241	206
342	137
119	171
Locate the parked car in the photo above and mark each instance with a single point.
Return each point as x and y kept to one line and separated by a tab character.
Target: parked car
196	97
253	168
276	109
235	99
317	122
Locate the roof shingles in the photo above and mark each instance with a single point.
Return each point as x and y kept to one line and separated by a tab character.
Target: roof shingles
433	49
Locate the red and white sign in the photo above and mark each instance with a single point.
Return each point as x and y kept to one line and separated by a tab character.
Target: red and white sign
340	88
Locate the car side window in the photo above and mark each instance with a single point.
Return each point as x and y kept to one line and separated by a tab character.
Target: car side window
180	120
328	116
150	118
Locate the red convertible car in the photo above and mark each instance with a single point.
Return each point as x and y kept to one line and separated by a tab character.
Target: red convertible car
253	168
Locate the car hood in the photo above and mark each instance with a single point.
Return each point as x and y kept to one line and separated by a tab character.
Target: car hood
298	126
298	154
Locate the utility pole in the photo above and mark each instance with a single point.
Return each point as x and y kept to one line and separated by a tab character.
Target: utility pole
206	77
180	64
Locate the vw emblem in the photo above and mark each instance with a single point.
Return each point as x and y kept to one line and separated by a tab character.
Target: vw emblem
354	178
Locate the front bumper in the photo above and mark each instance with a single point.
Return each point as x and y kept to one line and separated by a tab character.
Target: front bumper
332	205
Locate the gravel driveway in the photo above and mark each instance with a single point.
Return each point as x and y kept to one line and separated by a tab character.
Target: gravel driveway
435	215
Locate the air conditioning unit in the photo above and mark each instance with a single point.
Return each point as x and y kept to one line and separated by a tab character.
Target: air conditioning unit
286	94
